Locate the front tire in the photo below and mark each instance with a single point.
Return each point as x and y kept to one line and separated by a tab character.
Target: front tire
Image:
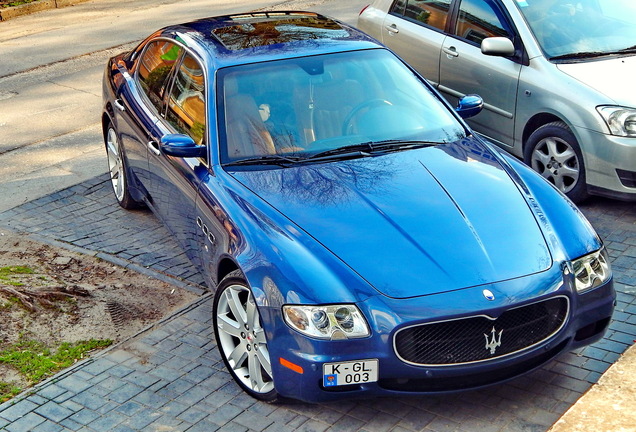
117	170
241	338
553	151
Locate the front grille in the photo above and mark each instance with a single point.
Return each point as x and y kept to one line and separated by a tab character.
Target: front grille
481	338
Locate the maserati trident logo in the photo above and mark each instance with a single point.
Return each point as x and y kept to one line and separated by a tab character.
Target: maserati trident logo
495	340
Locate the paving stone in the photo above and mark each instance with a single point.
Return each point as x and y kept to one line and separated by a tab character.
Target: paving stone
54	411
205	426
71	424
125	393
84	416
48	426
142	419
105	422
192	415
14	412
25	424
151	399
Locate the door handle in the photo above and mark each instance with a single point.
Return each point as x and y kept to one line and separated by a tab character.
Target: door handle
451	51
154	147
392	29
119	105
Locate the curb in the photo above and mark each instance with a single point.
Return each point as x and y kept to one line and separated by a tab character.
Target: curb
36	6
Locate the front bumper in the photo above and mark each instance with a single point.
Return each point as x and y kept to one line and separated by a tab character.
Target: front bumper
605	154
588	319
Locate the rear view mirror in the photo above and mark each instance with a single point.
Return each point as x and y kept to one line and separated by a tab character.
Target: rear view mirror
469	106
179	145
497	46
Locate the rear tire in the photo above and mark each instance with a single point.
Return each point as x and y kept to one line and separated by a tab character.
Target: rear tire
118	170
241	338
553	151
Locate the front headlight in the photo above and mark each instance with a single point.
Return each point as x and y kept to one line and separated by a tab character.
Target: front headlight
327	321
591	270
620	120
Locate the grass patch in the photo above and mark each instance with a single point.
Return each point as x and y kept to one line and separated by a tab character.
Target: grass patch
6	274
8	391
35	361
15	3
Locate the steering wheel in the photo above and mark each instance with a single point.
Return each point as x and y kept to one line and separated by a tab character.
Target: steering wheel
347	124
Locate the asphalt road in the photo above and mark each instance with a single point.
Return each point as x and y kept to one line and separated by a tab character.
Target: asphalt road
51	66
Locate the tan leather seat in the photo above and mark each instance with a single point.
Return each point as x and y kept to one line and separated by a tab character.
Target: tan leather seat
333	101
247	135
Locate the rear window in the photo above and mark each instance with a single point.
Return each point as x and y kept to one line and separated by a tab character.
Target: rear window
430	12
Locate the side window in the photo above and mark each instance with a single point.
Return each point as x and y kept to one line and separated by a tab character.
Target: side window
478	20
398	7
154	68
430	12
186	104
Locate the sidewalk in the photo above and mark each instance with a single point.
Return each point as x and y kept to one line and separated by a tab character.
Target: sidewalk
170	377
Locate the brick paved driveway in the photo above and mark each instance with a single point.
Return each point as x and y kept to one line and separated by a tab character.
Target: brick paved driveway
171	377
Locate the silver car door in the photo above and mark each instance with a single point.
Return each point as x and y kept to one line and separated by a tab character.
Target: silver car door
415	30
465	70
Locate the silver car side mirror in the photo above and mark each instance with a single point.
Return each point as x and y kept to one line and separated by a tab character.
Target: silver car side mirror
497	46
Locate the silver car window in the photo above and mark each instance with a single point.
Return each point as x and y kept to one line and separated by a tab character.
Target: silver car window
430	12
581	27
478	20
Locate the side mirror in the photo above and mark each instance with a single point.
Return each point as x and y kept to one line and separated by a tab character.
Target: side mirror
497	46
183	146
469	106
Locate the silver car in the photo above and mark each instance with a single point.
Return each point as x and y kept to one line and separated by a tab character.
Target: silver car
556	76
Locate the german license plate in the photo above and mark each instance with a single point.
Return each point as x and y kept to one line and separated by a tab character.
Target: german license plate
352	372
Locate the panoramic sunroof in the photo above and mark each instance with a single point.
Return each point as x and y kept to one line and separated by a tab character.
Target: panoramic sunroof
269	28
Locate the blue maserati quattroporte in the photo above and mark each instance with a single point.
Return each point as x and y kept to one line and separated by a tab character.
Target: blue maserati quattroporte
360	238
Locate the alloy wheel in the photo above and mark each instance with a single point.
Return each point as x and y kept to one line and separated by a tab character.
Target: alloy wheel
557	161
115	164
242	339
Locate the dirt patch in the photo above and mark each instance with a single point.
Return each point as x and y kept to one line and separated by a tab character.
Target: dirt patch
52	295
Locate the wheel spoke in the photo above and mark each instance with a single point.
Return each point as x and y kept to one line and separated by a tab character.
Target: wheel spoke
237	356
565	156
571	172
256	373
541	156
263	358
236	306
251	316
259	335
229	326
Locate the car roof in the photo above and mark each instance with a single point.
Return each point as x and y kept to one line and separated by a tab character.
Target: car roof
262	36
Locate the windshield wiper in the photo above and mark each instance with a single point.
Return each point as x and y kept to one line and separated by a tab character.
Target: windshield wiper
398	144
369	148
360	149
592	54
581	55
273	159
628	50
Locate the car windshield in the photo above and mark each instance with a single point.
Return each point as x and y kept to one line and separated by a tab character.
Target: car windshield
311	106
582	28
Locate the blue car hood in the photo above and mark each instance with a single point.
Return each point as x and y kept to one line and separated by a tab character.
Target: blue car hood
415	222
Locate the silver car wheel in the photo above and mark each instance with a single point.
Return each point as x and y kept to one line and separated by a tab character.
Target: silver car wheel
242	339
115	164
557	161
